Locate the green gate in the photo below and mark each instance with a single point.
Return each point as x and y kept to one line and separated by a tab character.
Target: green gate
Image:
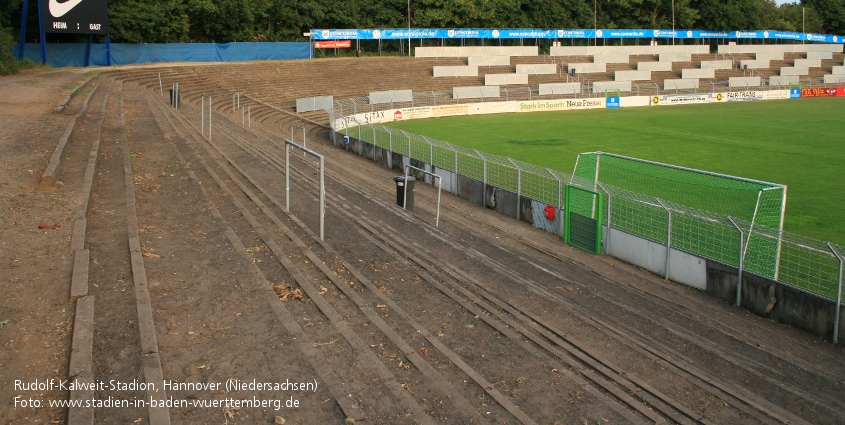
583	216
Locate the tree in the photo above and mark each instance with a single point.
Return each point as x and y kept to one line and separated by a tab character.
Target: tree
139	21
832	13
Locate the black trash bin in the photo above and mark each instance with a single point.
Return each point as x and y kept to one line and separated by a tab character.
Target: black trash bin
174	100
400	191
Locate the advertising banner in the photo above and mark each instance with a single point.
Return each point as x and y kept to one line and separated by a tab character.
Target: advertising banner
612	102
840	91
559	105
777	94
491	108
552	34
737	96
75	16
819	92
681	99
333	44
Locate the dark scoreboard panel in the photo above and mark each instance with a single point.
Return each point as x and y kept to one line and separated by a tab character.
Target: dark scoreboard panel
76	16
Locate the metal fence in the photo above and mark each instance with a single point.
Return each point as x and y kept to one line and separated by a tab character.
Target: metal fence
810	265
361	104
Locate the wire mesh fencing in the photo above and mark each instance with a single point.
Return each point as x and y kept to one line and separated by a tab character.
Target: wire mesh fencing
807	264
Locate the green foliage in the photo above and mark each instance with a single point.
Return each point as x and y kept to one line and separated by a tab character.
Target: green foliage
176	21
832	13
139	21
8	63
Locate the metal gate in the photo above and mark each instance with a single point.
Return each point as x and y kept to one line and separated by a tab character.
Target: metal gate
583	214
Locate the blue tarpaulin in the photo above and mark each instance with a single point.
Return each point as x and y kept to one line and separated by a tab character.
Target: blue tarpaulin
73	54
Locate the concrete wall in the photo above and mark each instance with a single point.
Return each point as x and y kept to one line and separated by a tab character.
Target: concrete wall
755	64
474	92
587	68
675	57
782	80
632	75
389	96
455	71
834	78
505	79
536	69
692	73
683	267
820	55
769	56
489	61
774	300
612	58
808	63
785	48
743	82
793	70
654	66
559	88
722	64
628	50
681	84
601	86
838	70
467	51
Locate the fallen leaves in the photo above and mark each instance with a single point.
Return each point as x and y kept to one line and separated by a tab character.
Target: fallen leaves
148	253
286	293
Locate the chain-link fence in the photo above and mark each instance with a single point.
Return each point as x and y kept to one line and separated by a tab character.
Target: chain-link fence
807	264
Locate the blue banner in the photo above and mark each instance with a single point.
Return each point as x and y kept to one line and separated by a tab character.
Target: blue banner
73	54
553	34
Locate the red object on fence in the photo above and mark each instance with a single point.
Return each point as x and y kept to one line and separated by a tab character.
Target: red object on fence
550	212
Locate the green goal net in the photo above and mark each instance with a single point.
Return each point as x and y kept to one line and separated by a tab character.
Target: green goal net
643	193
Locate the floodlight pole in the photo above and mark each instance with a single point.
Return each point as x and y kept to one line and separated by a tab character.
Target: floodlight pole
673	22
409	28
595	22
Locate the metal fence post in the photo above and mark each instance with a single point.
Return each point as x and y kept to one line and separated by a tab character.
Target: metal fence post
838	293
202	115
455	183
668	236
609	205
484	178
741	259
559	199
518	189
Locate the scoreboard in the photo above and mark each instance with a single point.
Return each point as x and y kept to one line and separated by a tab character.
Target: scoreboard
75	16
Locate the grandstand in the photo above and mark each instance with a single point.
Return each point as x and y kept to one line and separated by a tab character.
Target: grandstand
280	84
399	318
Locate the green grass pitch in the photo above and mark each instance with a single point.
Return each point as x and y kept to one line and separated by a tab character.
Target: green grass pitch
799	143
